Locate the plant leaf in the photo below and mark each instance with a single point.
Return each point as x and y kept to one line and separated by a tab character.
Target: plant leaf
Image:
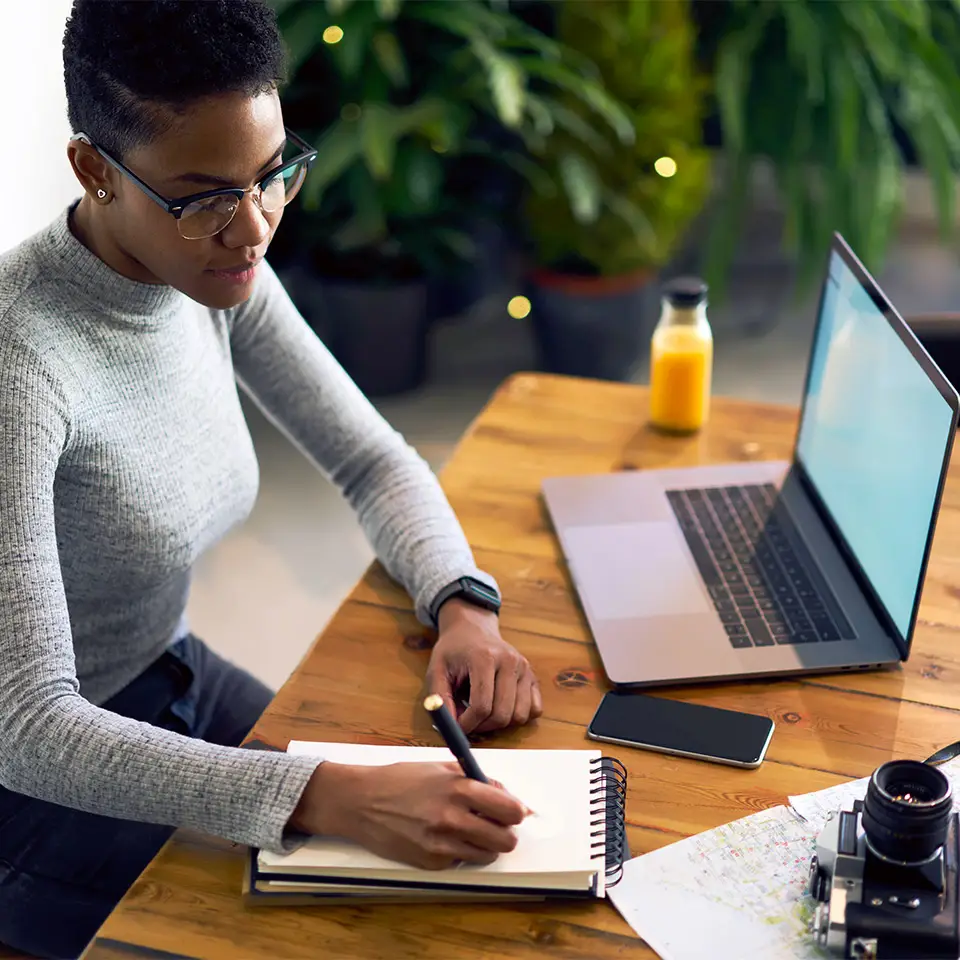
301	26
940	165
388	9
446	127
884	209
458	242
578	128
426	116
846	116
337	149
732	80
359	24
632	216
532	172
505	81
359	231
866	20
526	38
464	18
582	185
392	62
423	177
804	42
875	109
935	71
592	94
541	115
368	226
378	139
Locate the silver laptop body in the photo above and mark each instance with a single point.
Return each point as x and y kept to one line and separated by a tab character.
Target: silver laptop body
767	568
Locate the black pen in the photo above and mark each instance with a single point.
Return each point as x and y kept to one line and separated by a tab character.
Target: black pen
454	737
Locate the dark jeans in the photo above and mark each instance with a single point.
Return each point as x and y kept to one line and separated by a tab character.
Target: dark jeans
62	871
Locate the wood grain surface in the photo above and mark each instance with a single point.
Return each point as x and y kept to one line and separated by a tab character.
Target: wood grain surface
361	681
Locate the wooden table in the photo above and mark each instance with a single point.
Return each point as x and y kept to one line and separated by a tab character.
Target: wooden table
373	655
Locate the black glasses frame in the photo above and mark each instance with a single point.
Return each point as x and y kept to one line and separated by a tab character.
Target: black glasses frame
176	206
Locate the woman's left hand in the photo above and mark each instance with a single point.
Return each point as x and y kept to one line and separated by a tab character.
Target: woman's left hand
503	688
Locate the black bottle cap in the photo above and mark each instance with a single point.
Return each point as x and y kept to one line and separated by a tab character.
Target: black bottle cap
685	291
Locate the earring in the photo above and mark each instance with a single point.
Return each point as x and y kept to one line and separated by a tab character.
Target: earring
101	193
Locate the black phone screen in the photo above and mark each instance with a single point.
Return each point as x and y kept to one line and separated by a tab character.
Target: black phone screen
684	728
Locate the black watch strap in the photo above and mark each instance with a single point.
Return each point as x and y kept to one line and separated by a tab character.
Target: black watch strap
470	590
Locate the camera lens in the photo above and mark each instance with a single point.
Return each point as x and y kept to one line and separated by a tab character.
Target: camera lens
906	811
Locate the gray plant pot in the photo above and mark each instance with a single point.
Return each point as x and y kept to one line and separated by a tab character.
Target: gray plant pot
593	327
379	334
761	283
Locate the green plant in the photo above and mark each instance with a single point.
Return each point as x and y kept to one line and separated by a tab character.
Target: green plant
408	95
818	89
624	216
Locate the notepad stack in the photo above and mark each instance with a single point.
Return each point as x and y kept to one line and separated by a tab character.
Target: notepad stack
573	846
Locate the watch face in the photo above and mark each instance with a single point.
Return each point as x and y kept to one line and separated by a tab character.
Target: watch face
483	593
471	591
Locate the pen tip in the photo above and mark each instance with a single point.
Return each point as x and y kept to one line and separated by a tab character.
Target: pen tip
433	702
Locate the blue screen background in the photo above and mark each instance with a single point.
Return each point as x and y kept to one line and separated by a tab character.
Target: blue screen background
873	439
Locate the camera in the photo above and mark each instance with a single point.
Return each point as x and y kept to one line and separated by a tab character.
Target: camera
885	872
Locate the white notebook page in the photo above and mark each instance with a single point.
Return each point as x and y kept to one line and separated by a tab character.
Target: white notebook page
554	844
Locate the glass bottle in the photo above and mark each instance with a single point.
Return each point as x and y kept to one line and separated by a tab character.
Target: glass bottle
681	358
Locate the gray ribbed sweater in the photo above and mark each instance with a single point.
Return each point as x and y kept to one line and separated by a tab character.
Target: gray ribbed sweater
125	455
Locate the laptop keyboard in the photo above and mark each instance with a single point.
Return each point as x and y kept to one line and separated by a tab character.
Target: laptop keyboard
763	582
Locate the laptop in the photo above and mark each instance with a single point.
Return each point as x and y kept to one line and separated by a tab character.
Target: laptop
777	568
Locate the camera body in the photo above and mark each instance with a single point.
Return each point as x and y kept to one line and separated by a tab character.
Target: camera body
886	872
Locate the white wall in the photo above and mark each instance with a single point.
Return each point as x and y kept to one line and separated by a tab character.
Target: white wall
37	180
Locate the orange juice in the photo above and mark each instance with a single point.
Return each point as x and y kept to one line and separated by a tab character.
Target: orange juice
681	359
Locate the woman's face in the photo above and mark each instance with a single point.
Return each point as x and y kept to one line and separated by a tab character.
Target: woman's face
223	141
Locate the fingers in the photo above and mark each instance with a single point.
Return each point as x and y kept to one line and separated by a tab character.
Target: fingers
524	703
492	802
504	699
438	681
445	852
536	702
466	827
482	683
516	694
503	691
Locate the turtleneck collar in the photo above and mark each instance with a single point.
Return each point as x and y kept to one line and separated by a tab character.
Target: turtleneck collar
117	295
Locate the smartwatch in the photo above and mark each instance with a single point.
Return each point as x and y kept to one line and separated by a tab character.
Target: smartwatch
468	589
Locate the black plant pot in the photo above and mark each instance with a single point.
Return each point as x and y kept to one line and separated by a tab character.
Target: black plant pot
593	327
381	334
378	333
452	294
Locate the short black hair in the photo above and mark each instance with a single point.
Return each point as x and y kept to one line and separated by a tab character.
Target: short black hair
127	64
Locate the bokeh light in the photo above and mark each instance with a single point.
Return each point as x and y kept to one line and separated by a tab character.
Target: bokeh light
333	34
666	166
519	307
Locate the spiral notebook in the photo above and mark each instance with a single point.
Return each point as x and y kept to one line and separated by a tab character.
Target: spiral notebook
572	846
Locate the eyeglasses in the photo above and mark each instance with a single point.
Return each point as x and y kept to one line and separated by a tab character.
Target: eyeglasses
203	215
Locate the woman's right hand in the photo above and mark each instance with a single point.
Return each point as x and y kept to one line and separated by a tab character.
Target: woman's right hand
427	814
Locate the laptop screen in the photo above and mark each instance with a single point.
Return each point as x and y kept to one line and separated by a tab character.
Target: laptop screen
873	439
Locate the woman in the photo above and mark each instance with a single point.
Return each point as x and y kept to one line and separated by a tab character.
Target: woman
125	327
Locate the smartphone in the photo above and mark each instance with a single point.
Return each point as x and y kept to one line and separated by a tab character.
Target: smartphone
681	729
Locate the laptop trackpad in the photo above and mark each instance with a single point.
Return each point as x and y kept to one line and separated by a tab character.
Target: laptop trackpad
631	570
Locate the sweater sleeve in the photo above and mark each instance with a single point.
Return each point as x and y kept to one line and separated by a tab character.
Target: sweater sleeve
404	513
54	744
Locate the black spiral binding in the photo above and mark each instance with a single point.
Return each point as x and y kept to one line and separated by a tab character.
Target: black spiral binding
608	793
